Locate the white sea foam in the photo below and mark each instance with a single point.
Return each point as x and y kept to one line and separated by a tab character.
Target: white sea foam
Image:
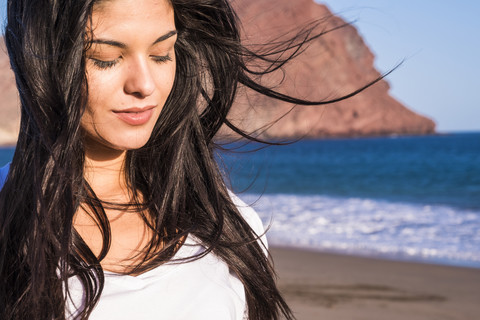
438	234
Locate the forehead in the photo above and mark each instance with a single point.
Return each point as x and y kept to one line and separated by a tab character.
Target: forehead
117	16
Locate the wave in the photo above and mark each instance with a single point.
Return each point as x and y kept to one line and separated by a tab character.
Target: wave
403	231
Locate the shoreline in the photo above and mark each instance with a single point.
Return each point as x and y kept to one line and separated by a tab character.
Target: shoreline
333	286
398	257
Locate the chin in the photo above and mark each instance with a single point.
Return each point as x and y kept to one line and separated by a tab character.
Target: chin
132	144
106	145
116	138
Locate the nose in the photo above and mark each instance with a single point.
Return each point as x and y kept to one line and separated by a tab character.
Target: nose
139	80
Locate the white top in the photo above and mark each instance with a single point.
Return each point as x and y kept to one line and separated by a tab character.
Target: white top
199	289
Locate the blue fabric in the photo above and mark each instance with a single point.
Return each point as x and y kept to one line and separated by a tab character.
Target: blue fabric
3	174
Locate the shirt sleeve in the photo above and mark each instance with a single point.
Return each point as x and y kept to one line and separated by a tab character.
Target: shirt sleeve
252	218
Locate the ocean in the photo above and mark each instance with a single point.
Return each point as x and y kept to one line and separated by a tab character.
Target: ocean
404	198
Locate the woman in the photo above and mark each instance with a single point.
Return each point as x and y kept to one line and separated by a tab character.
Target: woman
113	206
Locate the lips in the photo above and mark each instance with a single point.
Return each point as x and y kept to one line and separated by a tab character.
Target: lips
135	116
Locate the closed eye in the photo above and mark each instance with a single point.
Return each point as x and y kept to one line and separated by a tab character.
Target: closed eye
161	59
102	64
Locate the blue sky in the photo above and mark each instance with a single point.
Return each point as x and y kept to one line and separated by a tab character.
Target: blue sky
441	44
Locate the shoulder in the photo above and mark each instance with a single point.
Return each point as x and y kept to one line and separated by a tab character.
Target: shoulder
250	216
3	174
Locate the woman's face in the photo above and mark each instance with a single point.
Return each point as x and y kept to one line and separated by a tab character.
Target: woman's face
130	71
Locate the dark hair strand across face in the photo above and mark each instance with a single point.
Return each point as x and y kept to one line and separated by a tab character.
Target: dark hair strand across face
181	186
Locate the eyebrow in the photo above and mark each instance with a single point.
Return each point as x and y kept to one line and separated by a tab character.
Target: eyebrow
123	45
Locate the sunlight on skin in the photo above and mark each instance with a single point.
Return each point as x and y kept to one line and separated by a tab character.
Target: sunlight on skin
130	73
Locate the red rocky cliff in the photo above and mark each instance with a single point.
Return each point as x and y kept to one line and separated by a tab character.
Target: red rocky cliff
9	103
333	65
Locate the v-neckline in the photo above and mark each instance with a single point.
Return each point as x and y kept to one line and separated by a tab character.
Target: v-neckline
190	248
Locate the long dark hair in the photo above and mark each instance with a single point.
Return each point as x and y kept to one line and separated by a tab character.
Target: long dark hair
175	172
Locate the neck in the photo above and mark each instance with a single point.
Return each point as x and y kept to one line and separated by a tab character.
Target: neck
104	171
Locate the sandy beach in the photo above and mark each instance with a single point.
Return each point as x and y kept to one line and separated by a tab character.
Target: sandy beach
328	286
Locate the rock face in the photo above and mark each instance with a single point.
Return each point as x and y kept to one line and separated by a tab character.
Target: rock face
333	65
9	103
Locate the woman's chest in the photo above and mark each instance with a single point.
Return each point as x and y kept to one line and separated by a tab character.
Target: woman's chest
199	289
128	237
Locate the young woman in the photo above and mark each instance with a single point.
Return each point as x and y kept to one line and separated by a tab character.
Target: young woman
113	206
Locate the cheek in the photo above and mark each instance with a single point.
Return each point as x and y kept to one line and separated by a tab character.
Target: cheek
167	73
88	119
100	92
100	84
87	123
97	91
166	79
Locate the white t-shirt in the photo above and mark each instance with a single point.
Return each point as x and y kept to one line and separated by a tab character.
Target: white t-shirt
199	289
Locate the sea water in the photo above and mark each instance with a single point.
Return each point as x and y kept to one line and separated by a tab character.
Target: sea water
406	198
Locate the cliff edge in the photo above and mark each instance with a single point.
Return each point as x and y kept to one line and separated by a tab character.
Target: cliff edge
332	65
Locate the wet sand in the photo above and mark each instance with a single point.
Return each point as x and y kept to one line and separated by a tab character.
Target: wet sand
337	287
